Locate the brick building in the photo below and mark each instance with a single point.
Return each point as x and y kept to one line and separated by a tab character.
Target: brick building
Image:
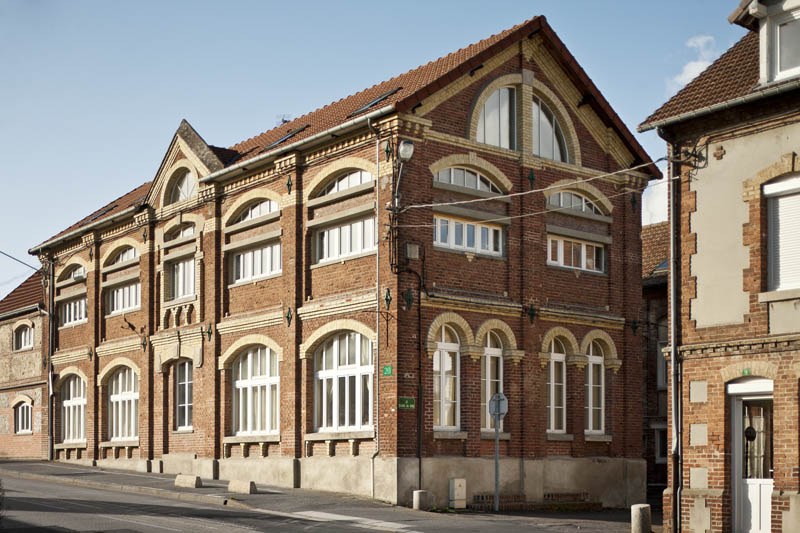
734	132
258	312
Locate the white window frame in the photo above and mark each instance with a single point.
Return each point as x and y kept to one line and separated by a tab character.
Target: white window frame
352	369
490	354
184	188
557	132
560	260
587	206
129	253
557	355
184	391
73	410
73	312
783	190
256	263
775	22
256	210
446	349
23	419
182	278
185	230
23	338
256	392
123	298
506	127
123	405
453	233
348	180
453	175
331	240
595	359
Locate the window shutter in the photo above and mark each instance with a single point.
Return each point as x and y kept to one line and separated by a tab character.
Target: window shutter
784	242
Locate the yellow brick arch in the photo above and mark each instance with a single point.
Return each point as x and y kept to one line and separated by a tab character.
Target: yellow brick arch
117	247
569	340
587	189
113	365
319	335
172	175
455	321
762	369
609	348
508	80
331	170
230	355
250	197
562	116
67	373
499	327
72	263
478	164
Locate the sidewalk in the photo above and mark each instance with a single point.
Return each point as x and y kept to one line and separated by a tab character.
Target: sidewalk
311	505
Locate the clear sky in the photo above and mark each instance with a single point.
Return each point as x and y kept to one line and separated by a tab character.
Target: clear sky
91	92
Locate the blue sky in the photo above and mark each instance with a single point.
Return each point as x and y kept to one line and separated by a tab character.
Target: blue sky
91	92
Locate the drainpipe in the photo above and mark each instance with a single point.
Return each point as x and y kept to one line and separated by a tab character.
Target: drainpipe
51	290
377	418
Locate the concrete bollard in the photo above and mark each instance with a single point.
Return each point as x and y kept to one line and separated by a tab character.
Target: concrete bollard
241	486
187	481
421	500
640	518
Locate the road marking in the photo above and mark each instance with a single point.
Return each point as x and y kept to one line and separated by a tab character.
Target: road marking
137	522
357	521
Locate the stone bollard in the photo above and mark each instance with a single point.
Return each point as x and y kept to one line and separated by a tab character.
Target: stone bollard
421	501
640	518
242	487
187	481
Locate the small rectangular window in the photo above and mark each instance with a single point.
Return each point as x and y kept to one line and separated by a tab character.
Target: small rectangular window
349	239
462	235
576	254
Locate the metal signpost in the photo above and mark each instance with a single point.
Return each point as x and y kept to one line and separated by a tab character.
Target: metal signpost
498	407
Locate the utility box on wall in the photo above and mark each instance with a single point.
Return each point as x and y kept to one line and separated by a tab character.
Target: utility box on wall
458	493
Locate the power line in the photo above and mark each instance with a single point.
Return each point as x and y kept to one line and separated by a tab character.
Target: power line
20	261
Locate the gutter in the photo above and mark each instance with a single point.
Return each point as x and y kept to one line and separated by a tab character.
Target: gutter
21	311
82	229
772	91
289	147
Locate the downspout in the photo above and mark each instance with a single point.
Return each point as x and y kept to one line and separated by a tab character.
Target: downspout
51	335
376	386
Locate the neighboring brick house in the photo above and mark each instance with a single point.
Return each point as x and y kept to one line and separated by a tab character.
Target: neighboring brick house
734	133
655	266
23	372
232	317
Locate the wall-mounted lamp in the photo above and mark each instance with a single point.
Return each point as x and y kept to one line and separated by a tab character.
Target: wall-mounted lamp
388	298
289	184
208	331
387	149
144	343
405	151
90	354
530	311
289	317
144	235
531	177
90	254
409	298
634	326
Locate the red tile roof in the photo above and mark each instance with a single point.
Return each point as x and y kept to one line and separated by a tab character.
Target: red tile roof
29	292
655	248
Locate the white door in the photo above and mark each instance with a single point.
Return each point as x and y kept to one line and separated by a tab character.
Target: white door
752	463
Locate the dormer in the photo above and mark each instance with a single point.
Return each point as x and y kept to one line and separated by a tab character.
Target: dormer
778	25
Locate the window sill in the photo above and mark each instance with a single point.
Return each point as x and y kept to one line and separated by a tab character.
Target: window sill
596	437
183	431
179	301
129	443
77	445
440	248
24	349
449	434
560	437
22	433
239	439
582	271
123	312
488	434
254	280
339	435
776	296
73	324
342	260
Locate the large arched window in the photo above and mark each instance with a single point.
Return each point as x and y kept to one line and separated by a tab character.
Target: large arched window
464	177
73	410
491	376
446	391
496	124
343	373
129	253
548	139
23	338
184	230
351	178
557	388
123	405
571	200
255	210
255	392
183	188
594	397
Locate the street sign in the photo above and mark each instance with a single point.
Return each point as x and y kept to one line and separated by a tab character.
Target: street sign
498	406
387	370
406	403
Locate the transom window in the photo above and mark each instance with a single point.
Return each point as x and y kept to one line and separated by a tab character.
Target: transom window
548	139
256	210
123	298
128	254
343	373
446	391
72	312
557	388
467	236
23	338
571	200
575	254
22	418
123	405
783	237
491	377
465	177
496	124
184	383
184	188
346	181
594	397
256	263
73	409
346	239
256	401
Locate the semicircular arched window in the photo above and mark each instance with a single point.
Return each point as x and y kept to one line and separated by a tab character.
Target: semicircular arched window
548	138
256	210
573	200
184	230
496	124
349	179
74	272
23	338
256	408
183	188
128	253
464	177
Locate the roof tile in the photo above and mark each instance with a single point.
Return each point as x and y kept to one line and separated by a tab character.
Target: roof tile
655	247
29	292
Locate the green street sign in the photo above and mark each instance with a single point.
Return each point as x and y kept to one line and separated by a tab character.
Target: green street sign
745	371
387	370
406	403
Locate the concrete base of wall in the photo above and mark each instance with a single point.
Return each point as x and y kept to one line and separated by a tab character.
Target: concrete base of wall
188	463
79	462
277	471
136	465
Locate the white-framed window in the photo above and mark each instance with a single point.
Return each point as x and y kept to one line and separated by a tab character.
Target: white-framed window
491	377
571	200
184	230
256	401
346	239
548	139
78	272
464	177
128	254
346	181
557	388
594	393
783	233
123	298
181	275
661	445
184	385
73	410
256	210
496	124
571	253
22	419
256	263
343	374
123	404
184	188
785	44
72	312
446	384
23	338
468	236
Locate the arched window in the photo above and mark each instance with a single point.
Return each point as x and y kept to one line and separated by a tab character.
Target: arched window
183	188
496	122
180	274
575	201
128	253
548	139
73	410
491	376
594	397
352	178
23	338
255	392
557	388
446	391
123	405
184	230
465	177
256	210
343	373
23	414
74	272
184	382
